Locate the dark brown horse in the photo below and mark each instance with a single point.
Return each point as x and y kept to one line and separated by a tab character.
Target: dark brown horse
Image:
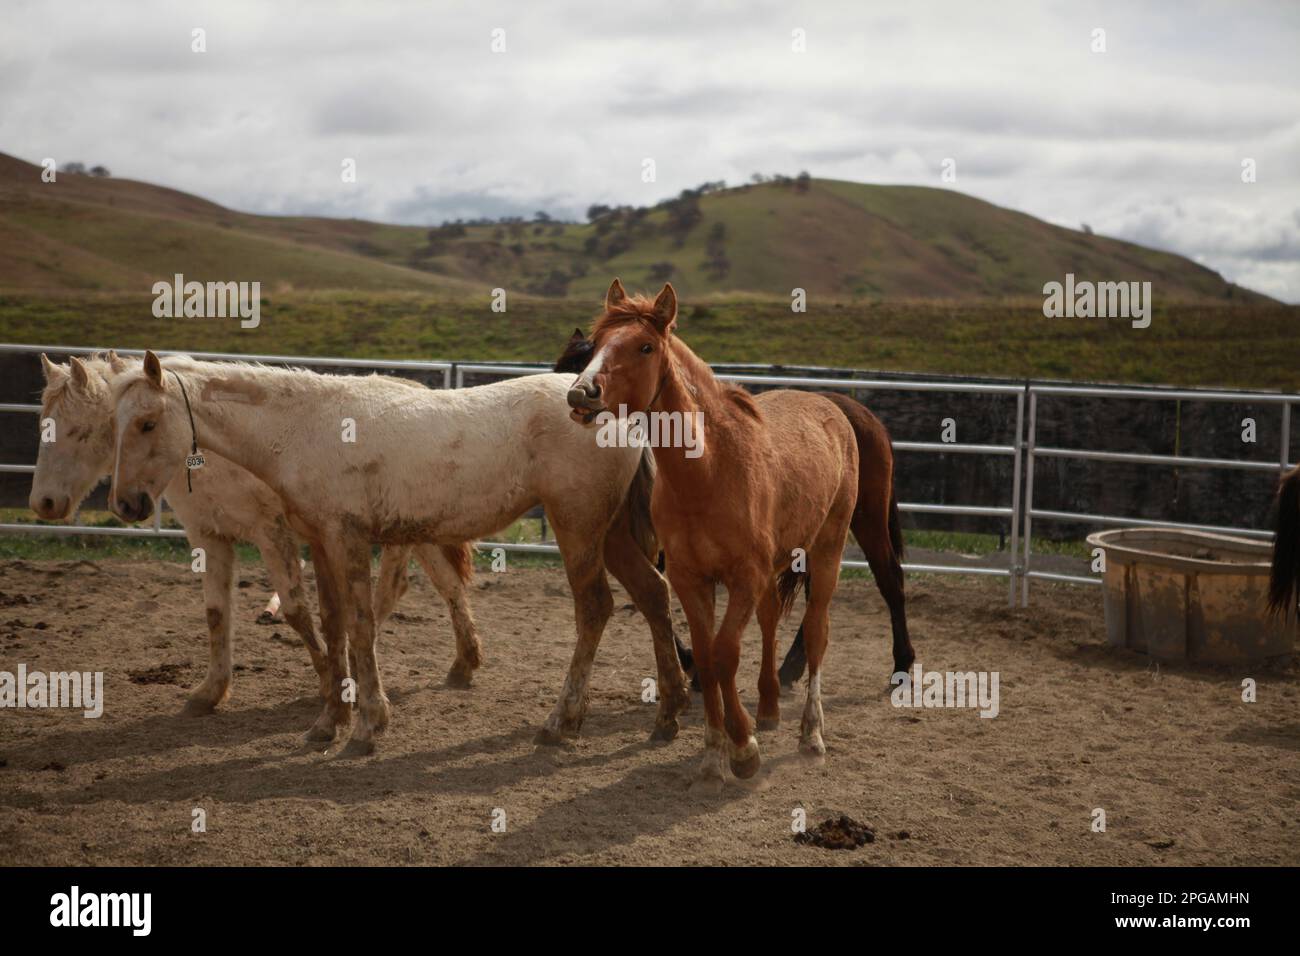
875	523
1284	582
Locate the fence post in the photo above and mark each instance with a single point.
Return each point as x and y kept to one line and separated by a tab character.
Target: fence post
1029	494
1014	551
1286	434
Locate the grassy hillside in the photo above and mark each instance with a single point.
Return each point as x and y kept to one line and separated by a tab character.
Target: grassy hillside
1186	344
837	240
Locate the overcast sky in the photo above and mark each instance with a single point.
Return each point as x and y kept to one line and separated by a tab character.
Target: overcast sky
1144	141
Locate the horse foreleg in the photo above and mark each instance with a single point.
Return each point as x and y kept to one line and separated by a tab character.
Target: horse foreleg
698	597
450	568
593	604
649	592
218	588
349	557
337	711
742	595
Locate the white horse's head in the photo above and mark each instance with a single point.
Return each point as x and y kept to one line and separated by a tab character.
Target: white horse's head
152	434
76	423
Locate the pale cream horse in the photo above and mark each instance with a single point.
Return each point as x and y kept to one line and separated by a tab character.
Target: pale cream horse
227	504
360	460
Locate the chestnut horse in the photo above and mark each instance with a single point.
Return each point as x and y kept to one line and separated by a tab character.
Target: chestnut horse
875	523
763	497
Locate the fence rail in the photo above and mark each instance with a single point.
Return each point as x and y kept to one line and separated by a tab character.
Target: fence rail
1023	449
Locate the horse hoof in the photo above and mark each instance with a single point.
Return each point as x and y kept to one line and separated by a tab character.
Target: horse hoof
320	734
198	707
812	745
706	785
768	723
546	737
746	761
266	617
665	731
459	678
358	747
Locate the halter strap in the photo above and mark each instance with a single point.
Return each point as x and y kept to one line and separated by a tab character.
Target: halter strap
194	435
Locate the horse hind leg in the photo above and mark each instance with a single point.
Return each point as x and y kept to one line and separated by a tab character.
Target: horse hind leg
876	542
393	582
450	569
279	550
824	570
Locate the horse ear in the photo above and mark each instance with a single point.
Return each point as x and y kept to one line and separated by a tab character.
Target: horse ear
52	372
116	363
153	370
577	336
80	377
666	308
615	295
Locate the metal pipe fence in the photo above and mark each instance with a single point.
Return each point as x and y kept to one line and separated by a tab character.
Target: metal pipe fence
1034	452
1022	449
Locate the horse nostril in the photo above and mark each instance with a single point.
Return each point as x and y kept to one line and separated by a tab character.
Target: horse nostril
47	505
593	391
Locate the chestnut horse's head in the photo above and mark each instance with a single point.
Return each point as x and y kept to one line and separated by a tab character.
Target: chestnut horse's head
153	437
630	354
76	448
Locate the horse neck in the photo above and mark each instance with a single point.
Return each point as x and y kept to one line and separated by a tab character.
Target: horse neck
234	415
690	388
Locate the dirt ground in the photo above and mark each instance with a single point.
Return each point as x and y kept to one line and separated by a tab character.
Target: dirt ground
1186	772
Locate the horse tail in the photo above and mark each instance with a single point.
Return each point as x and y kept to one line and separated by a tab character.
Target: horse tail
787	586
895	526
1284	579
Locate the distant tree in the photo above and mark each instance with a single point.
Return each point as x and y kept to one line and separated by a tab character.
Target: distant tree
541	216
1087	229
661	271
78	168
597	211
100	171
757	179
802	181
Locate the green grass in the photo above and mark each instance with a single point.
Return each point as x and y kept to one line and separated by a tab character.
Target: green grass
1190	345
91	547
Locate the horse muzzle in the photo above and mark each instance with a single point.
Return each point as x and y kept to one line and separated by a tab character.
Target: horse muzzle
137	507
584	400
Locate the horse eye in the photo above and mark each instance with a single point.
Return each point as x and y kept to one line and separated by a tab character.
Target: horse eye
647	349
147	426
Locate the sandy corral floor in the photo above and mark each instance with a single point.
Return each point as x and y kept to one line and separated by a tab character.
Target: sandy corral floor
1185	771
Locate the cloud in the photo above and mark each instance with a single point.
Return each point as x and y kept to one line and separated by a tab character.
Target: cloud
1144	141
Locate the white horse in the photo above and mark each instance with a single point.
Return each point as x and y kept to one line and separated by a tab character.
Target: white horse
358	460
227	504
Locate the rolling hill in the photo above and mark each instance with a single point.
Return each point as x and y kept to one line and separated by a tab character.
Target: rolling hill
838	240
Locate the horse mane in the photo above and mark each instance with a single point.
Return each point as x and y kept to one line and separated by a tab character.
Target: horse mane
641	308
